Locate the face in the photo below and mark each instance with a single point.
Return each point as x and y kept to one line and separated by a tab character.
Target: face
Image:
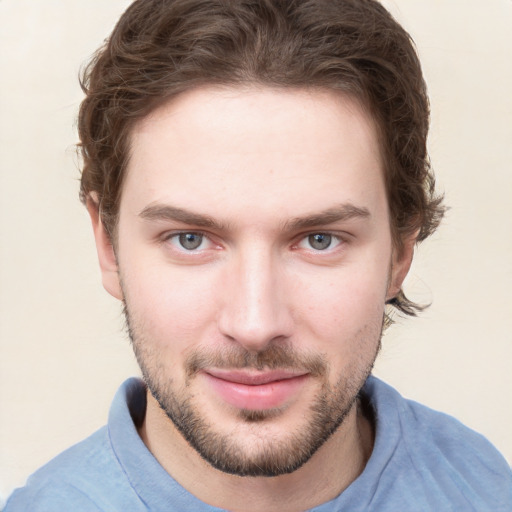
254	258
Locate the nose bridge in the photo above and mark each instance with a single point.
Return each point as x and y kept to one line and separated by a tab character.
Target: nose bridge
254	311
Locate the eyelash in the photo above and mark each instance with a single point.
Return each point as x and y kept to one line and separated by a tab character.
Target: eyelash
168	238
335	238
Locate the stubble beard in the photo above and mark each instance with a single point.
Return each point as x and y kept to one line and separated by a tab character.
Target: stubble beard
275	455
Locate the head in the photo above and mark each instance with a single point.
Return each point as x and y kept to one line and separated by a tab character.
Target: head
283	81
159	50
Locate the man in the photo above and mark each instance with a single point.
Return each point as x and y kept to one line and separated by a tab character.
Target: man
257	178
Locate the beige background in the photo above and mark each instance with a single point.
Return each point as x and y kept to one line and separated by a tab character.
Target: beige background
63	351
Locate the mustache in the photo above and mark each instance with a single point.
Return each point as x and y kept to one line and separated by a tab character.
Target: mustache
273	357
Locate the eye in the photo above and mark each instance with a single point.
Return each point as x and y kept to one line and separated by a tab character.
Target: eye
319	241
189	241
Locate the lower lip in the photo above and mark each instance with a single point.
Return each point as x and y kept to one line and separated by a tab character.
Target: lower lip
260	397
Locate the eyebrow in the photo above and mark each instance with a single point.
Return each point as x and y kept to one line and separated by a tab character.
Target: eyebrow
158	211
343	212
165	212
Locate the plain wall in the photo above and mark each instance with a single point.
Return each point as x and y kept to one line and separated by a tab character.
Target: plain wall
63	348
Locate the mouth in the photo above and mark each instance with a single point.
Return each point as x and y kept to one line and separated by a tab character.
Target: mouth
256	390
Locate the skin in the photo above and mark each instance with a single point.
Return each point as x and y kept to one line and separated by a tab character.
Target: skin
254	174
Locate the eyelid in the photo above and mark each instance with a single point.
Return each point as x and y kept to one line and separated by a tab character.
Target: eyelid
168	236
342	239
175	232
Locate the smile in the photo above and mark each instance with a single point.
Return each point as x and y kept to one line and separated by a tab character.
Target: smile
255	390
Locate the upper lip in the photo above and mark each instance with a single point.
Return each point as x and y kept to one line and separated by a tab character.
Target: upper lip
254	378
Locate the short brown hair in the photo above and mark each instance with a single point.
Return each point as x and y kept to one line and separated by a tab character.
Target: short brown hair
161	48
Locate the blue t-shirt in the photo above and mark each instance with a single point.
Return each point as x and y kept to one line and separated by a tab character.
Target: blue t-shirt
422	461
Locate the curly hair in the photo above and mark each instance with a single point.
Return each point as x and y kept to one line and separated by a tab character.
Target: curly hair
160	48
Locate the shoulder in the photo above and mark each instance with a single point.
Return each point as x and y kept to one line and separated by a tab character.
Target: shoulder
78	477
432	452
90	476
435	433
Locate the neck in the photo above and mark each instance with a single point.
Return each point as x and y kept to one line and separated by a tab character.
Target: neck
332	468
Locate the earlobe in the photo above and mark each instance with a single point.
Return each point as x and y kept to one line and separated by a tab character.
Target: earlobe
105	249
401	264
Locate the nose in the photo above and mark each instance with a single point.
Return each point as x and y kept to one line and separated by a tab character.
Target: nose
255	310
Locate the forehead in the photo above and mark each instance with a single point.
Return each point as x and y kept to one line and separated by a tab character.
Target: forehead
284	151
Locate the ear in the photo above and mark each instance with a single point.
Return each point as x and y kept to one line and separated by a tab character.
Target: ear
400	265
105	249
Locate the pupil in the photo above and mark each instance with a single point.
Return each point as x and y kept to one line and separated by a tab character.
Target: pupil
190	240
320	241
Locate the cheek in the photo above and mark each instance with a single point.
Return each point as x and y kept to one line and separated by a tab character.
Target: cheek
170	307
344	294
343	310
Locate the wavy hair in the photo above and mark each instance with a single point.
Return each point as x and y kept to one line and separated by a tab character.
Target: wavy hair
160	48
